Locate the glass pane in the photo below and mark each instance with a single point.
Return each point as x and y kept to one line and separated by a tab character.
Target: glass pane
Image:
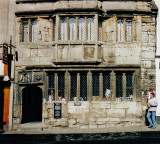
51	89
72	29
120	30
128	30
95	84
129	87
83	87
63	28
106	85
119	87
73	86
100	30
34	31
90	29
81	29
61	86
25	31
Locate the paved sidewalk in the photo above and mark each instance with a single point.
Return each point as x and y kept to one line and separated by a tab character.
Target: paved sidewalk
66	130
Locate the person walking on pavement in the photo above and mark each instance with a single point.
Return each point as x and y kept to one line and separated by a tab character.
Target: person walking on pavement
151	114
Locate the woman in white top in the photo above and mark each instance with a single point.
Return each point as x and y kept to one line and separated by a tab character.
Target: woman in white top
151	114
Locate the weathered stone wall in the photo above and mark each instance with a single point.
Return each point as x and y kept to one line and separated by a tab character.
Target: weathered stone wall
148	29
94	115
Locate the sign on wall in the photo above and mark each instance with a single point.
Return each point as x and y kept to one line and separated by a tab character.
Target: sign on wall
1	68
57	110
5	54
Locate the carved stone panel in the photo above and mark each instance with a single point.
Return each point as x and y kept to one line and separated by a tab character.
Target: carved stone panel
31	77
89	52
38	76
25	77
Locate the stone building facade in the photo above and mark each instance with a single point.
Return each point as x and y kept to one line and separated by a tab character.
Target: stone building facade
84	63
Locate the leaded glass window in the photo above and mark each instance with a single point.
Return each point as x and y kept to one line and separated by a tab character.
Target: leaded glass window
72	29
119	87
34	31
128	30
100	30
51	87
77	28
29	30
81	29
129	87
61	85
124	29
73	86
95	84
78	86
83	86
25	31
120	30
106	85
63	28
90	29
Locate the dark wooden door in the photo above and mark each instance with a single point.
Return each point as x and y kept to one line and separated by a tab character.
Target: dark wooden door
31	104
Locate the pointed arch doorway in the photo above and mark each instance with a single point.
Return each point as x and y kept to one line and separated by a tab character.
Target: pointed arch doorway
31	104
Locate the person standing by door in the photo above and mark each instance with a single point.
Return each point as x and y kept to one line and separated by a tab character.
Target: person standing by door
151	114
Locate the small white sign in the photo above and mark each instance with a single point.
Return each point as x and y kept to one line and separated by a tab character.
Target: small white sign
1	68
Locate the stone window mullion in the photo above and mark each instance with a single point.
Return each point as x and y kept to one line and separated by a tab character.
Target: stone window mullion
56	86
96	35
29	29
133	30
77	33
67	28
78	86
124	29
20	30
113	85
124	87
89	86
67	86
86	27
134	85
101	86
52	27
57	30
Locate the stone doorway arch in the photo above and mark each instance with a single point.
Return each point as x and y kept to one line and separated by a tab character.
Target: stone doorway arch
31	104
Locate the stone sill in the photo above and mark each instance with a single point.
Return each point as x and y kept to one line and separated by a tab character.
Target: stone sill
59	42
31	83
89	61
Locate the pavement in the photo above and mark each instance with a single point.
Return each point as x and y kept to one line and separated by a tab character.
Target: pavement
66	130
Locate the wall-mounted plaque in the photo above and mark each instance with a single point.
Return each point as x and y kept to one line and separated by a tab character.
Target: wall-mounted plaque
77	103
57	110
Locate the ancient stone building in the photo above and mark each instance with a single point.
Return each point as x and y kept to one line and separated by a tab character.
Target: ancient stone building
83	63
